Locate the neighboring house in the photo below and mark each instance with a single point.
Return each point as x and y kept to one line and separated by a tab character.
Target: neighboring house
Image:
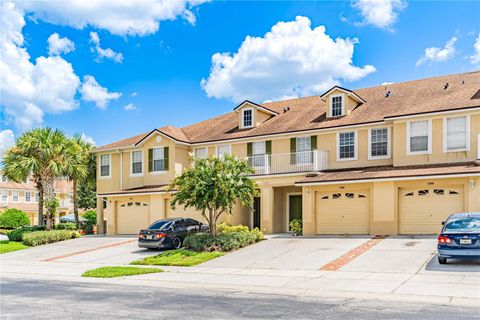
392	159
24	196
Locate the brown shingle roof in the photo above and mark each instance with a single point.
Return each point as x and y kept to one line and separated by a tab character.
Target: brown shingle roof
387	172
309	113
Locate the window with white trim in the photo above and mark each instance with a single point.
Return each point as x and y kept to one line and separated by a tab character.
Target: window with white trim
346	145
456	133
104	165
25	180
379	142
201	153
419	140
247	118
223	150
137	162
303	147
15	196
4	195
337	106
36	196
159	159
259	150
4	178
28	196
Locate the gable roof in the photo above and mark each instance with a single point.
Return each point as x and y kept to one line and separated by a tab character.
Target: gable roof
309	113
347	91
256	105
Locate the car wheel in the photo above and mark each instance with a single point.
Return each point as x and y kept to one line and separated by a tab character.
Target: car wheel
177	243
442	260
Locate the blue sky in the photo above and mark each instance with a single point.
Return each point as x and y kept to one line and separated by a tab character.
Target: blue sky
160	71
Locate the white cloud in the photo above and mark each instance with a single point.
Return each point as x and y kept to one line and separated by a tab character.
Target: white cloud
104	53
291	60
130	107
57	45
93	92
134	94
7	139
475	58
88	139
380	13
29	90
434	54
120	17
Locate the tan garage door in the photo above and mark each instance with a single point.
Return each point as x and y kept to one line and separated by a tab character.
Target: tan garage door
132	216
421	211
343	212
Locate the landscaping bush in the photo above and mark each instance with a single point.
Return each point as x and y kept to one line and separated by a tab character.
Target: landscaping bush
223	227
13	218
229	238
66	226
37	238
17	234
296	227
91	216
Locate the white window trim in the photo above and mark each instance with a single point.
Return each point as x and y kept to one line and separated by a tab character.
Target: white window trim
253	118
198	148
223	145
131	164
25	196
153	160
1	195
467	148
429	149
331	105
355	146
389	153
13	197
100	166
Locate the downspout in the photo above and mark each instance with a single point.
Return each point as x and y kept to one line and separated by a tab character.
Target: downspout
121	169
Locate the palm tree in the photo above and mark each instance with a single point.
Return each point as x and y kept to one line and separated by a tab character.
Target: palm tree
43	154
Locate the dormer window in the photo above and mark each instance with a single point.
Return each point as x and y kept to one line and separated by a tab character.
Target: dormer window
247	118
337	106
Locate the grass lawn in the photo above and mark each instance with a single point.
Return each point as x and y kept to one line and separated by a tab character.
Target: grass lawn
181	257
9	246
112	272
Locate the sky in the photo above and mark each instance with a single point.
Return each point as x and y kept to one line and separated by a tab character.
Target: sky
111	70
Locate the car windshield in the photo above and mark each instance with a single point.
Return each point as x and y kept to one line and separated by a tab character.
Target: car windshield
161	225
463	225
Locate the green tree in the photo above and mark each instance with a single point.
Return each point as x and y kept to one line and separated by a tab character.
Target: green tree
43	154
87	188
212	186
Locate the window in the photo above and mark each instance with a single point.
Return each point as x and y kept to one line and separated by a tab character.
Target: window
201	153
379	143
336	106
4	195
346	146
456	134
25	180
303	150
105	165
15	196
259	150
137	162
36	196
158	159
419	137
247	118
28	196
223	150
4	178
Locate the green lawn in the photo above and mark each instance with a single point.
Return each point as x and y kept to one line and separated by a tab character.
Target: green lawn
9	246
181	257
112	272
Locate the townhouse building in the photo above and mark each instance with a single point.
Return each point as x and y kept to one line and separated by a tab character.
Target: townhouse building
391	159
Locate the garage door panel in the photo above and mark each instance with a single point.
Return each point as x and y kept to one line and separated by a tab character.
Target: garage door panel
132	216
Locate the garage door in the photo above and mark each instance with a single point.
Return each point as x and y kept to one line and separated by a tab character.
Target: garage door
421	211
131	217
343	212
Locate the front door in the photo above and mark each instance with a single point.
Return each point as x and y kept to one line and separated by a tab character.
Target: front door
294	208
256	212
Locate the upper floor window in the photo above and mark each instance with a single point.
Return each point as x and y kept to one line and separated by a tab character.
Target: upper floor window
259	149
247	118
25	180
201	153
28	196
336	106
4	195
137	162
223	150
105	165
303	150
379	145
15	196
4	178
36	196
456	134
346	146
158	159
419	137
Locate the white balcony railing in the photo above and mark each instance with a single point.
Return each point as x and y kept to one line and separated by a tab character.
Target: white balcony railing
304	161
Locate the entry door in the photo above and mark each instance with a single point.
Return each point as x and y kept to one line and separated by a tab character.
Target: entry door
294	208
256	212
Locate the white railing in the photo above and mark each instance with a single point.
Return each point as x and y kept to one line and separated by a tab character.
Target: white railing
304	161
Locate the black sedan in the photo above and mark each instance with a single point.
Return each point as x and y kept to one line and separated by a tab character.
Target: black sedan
168	233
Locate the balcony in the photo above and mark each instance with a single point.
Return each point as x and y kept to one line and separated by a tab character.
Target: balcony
296	162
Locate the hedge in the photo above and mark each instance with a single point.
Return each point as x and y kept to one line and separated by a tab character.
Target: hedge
37	238
66	226
13	218
17	234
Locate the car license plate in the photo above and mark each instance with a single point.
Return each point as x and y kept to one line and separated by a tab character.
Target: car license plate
465	241
150	237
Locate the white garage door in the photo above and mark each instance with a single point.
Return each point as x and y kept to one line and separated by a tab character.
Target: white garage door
343	212
422	210
132	216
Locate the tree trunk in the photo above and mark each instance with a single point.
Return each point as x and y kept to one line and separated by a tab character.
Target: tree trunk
49	194
211	222
40	206
75	203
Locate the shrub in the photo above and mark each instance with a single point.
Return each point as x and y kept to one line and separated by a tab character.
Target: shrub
17	234
230	238
37	238
91	216
223	227
296	227
13	218
66	226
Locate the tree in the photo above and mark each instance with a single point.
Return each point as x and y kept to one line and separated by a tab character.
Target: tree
212	186
43	154
87	188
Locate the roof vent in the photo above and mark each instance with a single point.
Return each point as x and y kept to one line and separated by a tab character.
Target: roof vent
286	109
388	94
463	82
446	86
